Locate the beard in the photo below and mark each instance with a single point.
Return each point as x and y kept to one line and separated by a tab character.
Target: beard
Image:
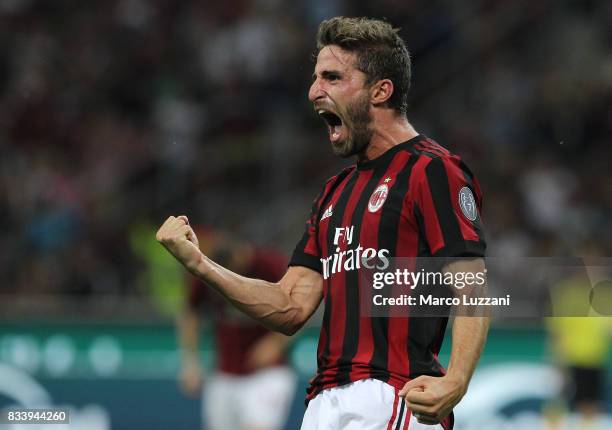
357	122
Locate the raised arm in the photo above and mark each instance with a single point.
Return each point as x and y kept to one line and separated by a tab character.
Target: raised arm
282	306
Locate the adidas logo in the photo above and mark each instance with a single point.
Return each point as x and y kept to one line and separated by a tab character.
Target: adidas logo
328	212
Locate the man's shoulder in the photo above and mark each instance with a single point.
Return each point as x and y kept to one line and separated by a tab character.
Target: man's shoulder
333	181
340	175
429	149
331	184
438	164
435	162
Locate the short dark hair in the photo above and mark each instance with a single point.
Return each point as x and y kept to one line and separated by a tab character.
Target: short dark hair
381	52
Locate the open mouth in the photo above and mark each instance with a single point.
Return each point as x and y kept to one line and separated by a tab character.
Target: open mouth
334	123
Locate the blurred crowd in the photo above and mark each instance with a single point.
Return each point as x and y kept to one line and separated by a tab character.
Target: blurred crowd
115	114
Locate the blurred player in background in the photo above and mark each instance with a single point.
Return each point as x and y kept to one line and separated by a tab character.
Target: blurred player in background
580	342
405	197
252	388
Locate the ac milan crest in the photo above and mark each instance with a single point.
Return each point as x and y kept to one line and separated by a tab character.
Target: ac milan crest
378	197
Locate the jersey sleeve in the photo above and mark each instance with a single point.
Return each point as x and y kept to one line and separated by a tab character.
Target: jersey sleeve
307	252
447	202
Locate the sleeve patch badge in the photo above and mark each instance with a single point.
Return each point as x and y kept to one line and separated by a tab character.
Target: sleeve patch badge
467	203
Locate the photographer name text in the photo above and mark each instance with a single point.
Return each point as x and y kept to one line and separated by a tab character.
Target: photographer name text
431	300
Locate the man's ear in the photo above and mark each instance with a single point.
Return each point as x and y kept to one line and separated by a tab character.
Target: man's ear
381	91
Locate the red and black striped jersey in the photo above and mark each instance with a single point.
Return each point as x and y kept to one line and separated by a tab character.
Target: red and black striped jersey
405	203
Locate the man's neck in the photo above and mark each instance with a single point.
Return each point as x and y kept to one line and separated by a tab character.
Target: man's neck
387	132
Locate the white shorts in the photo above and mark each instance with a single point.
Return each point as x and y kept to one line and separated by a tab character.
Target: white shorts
369	404
260	400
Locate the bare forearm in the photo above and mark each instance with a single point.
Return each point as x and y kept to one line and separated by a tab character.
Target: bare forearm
433	398
282	306
469	335
264	301
470	326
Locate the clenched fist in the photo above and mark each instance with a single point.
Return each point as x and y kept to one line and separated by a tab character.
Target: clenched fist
180	240
432	398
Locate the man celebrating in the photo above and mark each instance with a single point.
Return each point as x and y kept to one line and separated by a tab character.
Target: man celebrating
406	196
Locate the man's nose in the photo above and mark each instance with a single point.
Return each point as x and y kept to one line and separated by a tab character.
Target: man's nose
315	91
